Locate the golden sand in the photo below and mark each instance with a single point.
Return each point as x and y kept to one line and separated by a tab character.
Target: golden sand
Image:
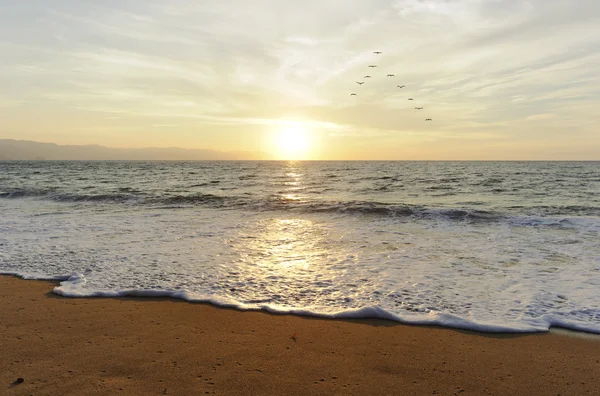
129	346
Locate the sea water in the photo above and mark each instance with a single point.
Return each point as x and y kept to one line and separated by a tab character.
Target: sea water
489	246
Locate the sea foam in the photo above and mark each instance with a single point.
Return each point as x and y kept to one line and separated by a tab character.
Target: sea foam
70	288
470	246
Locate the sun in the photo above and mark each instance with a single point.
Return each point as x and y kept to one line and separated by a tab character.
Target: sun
292	142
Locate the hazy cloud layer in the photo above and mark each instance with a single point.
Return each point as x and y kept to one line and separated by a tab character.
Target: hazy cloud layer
500	78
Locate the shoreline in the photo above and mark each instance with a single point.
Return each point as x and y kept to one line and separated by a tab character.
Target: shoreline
553	329
139	345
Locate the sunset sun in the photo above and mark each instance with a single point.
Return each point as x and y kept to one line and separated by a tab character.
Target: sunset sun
292	142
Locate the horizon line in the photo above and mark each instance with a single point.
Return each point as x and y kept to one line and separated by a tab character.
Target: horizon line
297	160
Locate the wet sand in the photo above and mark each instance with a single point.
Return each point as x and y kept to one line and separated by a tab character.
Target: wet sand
129	346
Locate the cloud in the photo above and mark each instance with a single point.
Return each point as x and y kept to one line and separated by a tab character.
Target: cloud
540	117
482	69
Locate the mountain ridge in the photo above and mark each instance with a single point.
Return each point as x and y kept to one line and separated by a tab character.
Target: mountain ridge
11	149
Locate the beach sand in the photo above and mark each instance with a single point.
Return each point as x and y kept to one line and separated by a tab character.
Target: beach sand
68	346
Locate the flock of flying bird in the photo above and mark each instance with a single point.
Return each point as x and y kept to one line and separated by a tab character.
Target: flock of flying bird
389	75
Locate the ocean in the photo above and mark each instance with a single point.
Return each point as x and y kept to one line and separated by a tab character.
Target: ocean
487	246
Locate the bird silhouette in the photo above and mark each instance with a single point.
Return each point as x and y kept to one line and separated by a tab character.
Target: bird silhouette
410	99
391	75
372	65
400	86
428	119
418	108
352	94
367	77
377	52
360	82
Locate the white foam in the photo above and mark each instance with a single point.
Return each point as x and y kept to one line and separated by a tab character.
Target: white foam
70	288
495	276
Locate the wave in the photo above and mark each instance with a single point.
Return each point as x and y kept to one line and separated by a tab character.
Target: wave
196	198
518	215
73	286
389	210
24	193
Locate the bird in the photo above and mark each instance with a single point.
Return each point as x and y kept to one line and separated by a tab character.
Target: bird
400	86
377	52
418	108
427	119
391	75
352	94
360	82
410	99
372	65
367	77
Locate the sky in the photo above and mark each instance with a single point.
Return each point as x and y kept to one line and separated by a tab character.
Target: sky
500	79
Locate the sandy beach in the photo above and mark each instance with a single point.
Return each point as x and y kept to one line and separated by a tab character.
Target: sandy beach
146	346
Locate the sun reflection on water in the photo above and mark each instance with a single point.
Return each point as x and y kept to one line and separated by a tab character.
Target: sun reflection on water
286	262
286	244
292	182
292	259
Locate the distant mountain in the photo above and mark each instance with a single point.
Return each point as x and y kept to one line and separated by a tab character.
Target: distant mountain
29	150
